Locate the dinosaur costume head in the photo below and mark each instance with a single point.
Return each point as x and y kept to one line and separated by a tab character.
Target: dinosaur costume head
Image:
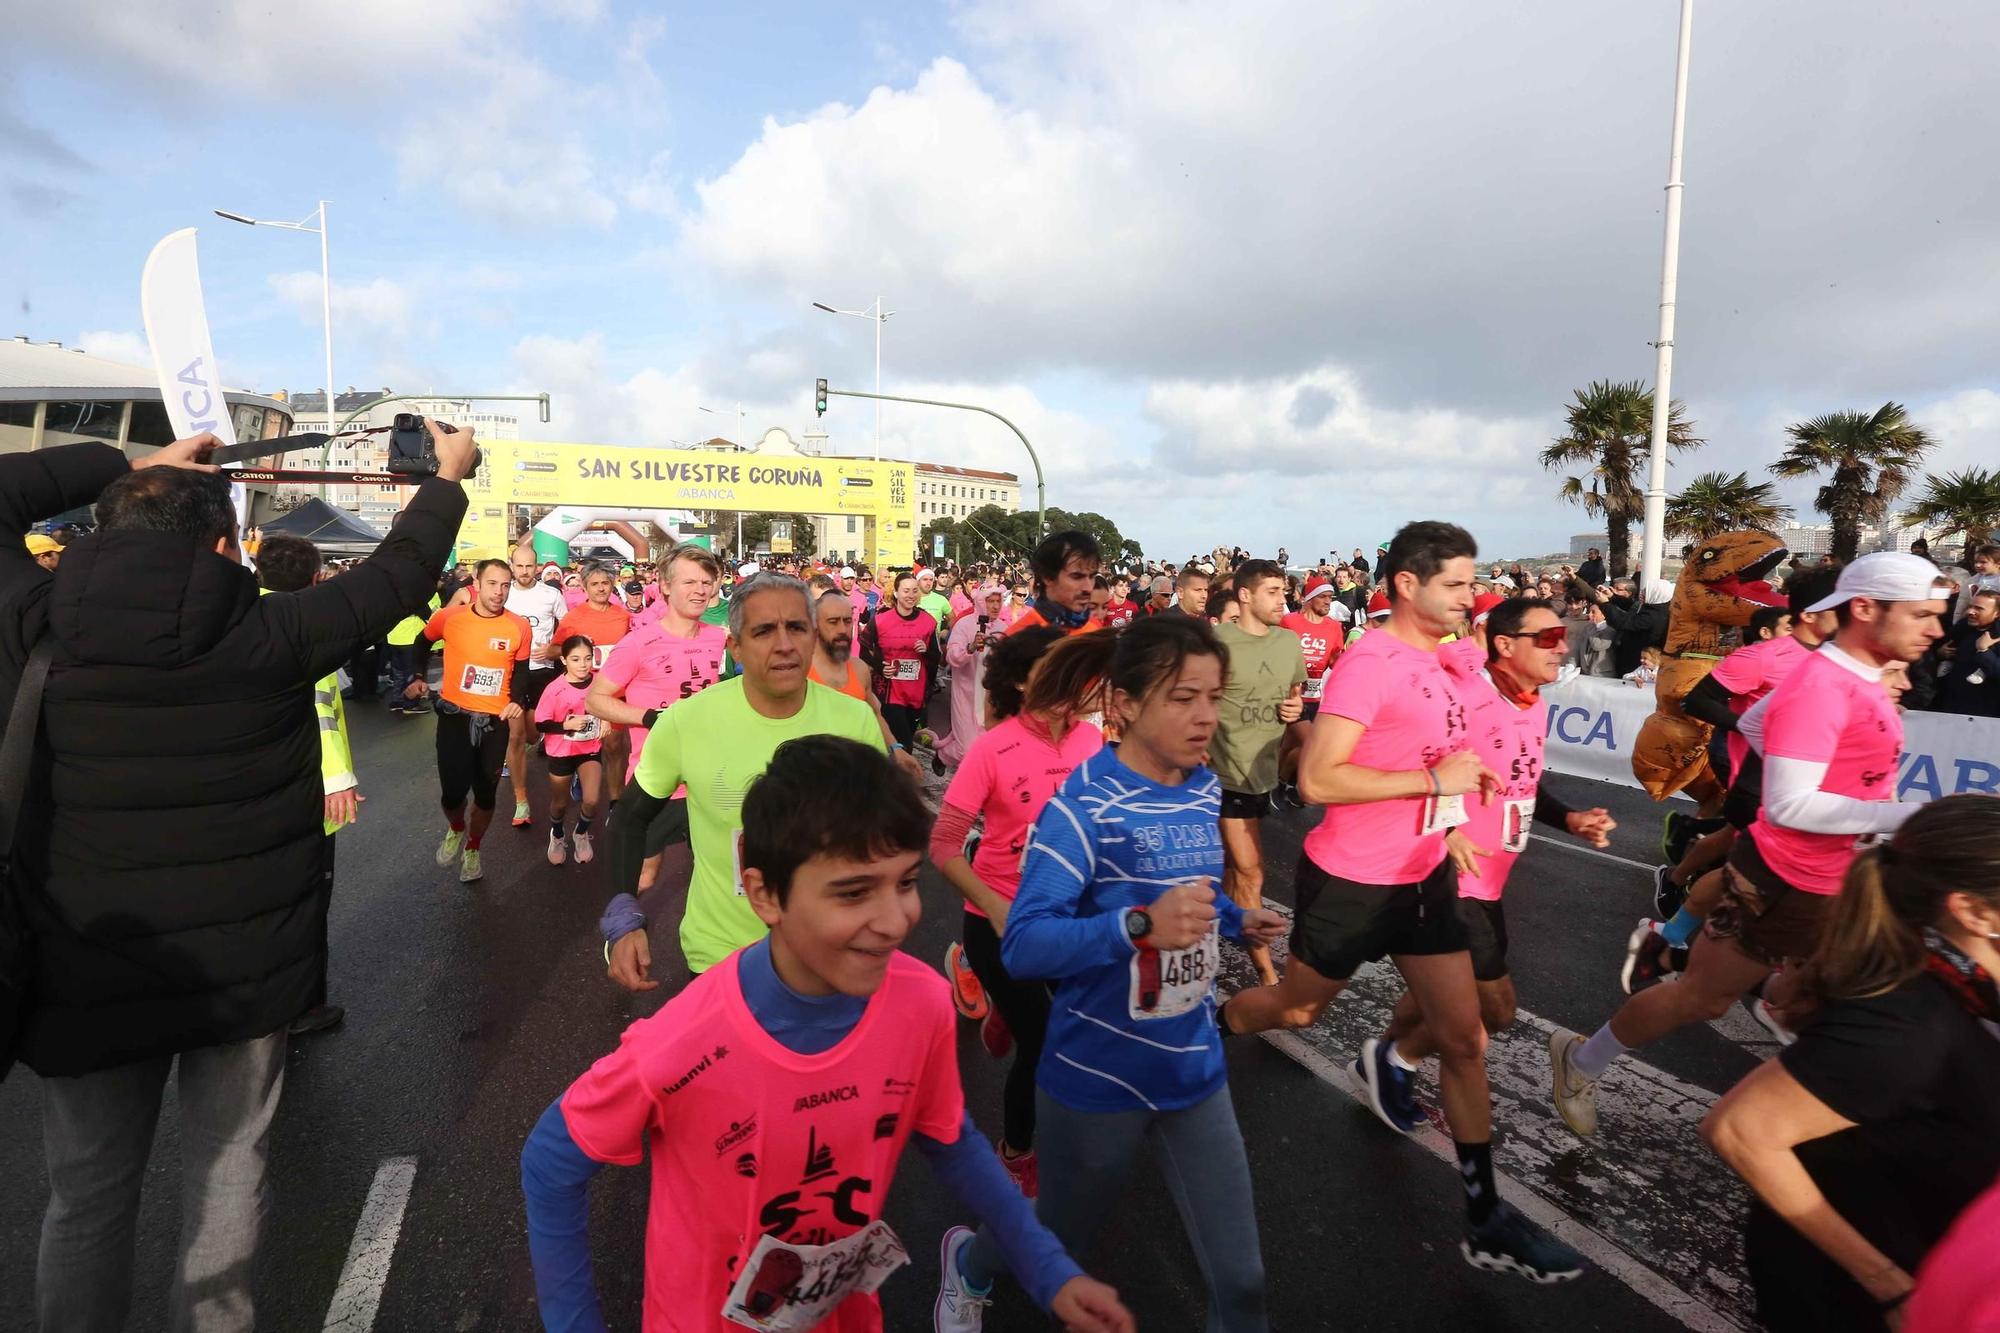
1721	585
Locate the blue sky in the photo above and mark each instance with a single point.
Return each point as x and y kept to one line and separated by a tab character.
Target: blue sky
1292	273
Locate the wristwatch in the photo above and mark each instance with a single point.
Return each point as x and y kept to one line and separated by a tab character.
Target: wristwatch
1138	925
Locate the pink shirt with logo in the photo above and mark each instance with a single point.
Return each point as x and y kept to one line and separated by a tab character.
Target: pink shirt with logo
563	699
747	1137
1413	718
1008	775
1824	713
656	669
1750	673
1510	739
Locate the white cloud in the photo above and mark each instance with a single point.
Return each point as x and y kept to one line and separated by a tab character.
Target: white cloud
112	345
378	307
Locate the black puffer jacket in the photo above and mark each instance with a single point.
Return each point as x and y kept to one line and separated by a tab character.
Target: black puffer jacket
172	862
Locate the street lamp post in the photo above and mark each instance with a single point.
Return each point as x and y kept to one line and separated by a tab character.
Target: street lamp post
1653	545
325	282
881	317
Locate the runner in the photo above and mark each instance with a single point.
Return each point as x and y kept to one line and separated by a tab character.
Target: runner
484	688
717	742
1264	697
1526	646
1121	610
1391	758
1319	624
835	666
900	644
1190	593
1037	697
605	623
1100	602
572	739
662	662
935	600
541	604
775	1094
1831	740
1064	566
1686	892
1117	905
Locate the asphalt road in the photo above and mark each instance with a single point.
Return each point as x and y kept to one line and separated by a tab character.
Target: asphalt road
471	1008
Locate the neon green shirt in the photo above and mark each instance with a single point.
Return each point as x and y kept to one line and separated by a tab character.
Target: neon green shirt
717	744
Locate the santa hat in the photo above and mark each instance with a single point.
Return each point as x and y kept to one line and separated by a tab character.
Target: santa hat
1315	586
1378	605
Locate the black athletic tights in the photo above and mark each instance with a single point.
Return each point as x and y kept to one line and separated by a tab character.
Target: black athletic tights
1025	1006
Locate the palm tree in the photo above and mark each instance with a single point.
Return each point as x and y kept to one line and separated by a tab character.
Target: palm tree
1967	502
1715	503
1610	431
1869	458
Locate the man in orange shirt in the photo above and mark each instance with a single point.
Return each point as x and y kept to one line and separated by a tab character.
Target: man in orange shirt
1065	566
485	686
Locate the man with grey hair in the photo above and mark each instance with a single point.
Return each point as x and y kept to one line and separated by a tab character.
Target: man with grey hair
718	742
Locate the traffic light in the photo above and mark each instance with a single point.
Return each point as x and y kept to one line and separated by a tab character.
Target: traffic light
819	397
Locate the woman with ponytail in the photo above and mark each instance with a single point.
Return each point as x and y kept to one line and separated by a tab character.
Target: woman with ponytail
1864	1139
1039	684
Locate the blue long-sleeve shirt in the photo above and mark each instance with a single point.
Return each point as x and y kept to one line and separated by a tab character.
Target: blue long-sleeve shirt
1131	1028
556	1173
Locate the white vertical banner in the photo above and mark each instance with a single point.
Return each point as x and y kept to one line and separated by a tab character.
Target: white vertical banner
183	357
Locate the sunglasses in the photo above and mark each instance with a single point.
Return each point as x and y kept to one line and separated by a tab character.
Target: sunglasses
1555	636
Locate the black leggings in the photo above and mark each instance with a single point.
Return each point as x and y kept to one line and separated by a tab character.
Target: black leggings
1025	1006
902	720
469	763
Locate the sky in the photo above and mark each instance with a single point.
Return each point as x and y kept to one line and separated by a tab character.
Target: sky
1259	275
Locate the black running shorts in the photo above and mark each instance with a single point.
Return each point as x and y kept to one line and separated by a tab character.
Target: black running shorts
538	681
566	765
1338	924
1242	805
1486	934
471	747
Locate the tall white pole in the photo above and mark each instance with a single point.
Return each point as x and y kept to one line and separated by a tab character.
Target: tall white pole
326	311
1663	372
878	377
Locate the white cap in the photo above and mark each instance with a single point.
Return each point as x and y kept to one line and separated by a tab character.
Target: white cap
1886	576
847	571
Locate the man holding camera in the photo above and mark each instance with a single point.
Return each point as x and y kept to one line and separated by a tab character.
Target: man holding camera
171	870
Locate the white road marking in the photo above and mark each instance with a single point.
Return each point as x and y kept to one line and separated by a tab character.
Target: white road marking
1691	1311
358	1295
1572	845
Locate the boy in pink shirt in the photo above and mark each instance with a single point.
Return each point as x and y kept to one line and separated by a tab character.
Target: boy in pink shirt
1830	739
774	1096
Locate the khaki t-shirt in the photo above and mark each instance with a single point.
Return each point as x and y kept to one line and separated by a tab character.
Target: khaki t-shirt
1262	671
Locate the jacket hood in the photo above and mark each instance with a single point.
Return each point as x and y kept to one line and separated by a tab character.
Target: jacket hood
145	599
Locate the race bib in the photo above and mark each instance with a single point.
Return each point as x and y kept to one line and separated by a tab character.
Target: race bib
1315	688
1166	983
787	1288
1514	820
907	668
589	731
1442	813
482	680
599	652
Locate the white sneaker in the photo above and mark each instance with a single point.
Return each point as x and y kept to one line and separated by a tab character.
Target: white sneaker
558	851
453	844
958	1308
1575	1095
469	868
1761	1010
580	847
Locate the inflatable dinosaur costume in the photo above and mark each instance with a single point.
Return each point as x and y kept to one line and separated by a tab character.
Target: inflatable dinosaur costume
1721	586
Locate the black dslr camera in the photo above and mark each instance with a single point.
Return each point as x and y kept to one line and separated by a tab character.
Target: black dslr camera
411	451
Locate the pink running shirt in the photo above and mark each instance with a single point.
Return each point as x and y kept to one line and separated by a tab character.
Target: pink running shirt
1414	718
561	700
657	670
1750	673
904	667
1008	775
1510	739
1825	714
747	1137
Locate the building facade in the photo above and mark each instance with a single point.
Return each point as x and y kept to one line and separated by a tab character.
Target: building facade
943	491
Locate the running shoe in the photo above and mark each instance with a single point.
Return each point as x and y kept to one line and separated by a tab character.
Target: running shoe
1027	1176
966	992
1509	1243
468	866
1667	895
1648	957
453	844
319	1018
958	1308
522	819
1388	1089
581	849
558	850
993	1034
1575	1095
1761	1010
